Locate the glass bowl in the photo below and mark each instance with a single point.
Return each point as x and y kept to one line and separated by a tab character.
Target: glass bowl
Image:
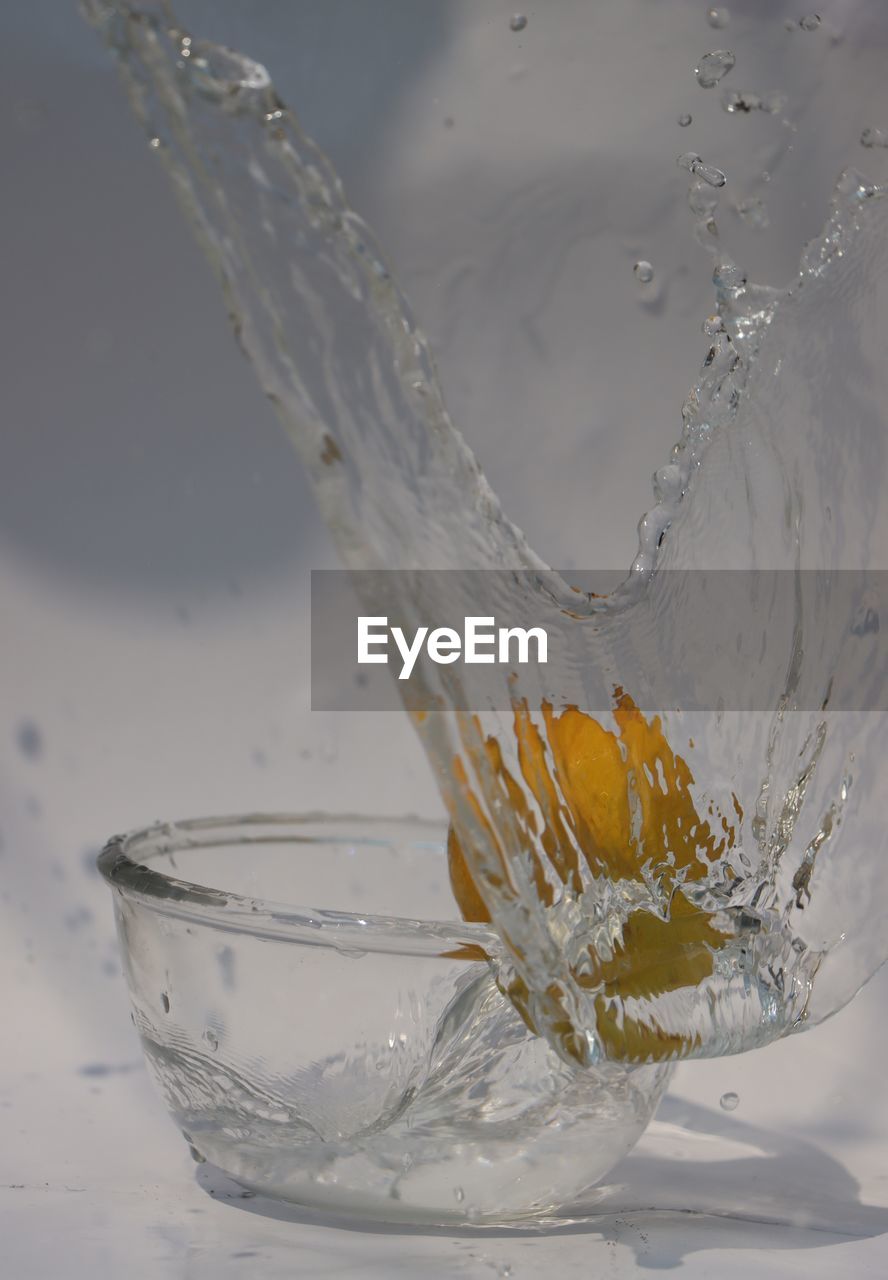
356	1058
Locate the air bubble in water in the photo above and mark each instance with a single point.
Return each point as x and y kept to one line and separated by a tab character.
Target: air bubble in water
518	22
644	272
729	1101
714	67
685	119
718	18
874	138
810	22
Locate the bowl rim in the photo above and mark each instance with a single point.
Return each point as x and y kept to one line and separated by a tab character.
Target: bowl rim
347	932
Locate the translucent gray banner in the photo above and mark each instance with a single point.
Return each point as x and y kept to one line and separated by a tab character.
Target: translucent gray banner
690	640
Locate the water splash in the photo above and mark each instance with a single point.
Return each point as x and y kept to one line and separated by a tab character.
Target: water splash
352	378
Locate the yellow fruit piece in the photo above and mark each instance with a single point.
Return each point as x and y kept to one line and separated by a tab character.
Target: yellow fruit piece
622	801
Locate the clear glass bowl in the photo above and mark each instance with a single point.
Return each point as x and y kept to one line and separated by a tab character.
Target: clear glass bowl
356	1058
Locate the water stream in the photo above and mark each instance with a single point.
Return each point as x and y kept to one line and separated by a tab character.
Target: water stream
688	883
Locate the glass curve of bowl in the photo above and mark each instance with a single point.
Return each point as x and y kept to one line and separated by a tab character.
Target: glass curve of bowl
356	1058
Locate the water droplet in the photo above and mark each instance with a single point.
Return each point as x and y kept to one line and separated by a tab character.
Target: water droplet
685	119
165	1001
705	172
709	173
644	272
518	22
810	22
459	1195
714	67
718	18
729	1101
874	138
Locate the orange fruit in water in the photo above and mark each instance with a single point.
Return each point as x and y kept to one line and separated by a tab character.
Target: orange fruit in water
621	801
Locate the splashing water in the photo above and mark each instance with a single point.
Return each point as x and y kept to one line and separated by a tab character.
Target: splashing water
651	904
